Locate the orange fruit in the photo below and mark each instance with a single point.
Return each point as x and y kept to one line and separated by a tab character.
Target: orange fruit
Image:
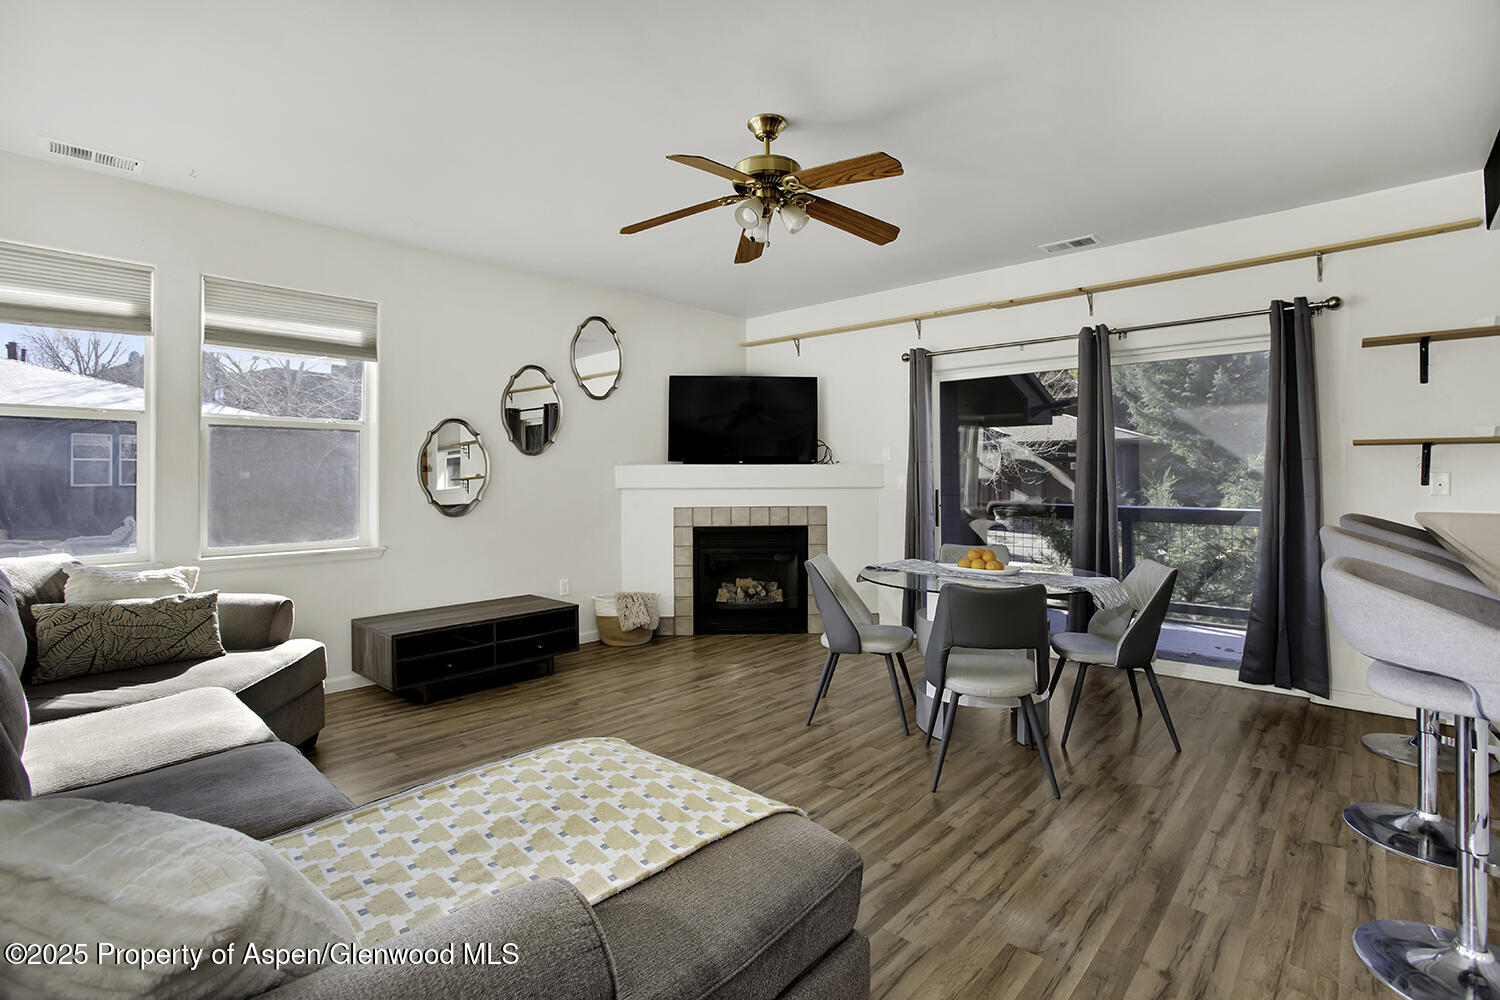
972	554
963	564
991	564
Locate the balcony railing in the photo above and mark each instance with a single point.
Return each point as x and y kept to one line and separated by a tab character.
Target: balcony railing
1216	547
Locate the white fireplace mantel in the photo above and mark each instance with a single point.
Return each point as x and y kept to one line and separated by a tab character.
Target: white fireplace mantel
650	493
749	477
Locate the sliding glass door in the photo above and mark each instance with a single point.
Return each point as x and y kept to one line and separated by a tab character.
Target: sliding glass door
1190	439
1007	448
1190	447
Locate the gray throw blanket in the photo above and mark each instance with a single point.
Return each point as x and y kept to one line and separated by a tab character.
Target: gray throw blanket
636	609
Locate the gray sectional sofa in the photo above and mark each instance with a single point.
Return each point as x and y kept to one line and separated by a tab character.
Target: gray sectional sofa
767	912
276	676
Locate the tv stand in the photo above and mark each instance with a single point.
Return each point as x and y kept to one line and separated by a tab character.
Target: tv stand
415	652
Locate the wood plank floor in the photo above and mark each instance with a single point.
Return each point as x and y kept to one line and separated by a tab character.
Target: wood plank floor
1225	871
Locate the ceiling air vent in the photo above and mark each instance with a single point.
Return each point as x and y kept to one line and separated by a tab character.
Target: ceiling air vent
1066	246
83	154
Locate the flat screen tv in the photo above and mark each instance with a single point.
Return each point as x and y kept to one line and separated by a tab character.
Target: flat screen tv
727	419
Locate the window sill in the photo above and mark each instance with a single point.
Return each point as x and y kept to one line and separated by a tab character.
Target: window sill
292	557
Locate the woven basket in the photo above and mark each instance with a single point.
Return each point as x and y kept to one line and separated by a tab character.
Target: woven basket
610	632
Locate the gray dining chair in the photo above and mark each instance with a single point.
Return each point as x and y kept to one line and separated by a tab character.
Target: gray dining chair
1433	647
1395	532
849	627
989	644
947	552
1122	637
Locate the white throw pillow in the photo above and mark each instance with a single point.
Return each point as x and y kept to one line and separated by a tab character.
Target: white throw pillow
93	584
76	872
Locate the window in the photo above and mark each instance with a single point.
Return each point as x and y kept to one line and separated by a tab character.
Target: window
73	387
287	380
127	460
93	456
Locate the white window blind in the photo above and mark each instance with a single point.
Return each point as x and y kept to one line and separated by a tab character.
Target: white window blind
250	317
67	291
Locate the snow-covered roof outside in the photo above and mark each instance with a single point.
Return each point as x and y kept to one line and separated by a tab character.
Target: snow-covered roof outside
26	384
1064	427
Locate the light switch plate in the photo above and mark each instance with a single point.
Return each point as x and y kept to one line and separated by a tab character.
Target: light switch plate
885	454
1441	485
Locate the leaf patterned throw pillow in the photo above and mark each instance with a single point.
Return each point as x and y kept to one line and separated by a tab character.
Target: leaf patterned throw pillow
74	640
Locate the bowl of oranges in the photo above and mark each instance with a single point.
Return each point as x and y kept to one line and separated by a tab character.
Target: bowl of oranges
987	560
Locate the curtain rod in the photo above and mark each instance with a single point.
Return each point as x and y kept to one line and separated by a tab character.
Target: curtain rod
1332	302
1089	291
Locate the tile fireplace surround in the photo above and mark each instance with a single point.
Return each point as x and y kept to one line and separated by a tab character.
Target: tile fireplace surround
661	504
685	519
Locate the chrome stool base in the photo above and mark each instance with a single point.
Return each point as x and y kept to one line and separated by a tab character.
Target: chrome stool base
1402	830
1402	749
1422	962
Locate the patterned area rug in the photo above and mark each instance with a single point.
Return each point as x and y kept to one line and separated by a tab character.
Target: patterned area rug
598	812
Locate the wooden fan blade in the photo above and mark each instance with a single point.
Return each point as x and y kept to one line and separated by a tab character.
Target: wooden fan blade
858	223
681	213
870	167
704	163
748	249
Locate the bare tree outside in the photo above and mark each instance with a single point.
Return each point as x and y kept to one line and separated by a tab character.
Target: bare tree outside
94	355
283	386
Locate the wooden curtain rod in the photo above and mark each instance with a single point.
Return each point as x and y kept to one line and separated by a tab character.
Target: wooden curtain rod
1089	291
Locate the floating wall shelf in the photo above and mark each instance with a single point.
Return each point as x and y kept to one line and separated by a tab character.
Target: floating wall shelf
1422	340
1426	443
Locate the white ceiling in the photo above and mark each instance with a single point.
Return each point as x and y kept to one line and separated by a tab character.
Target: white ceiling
528	133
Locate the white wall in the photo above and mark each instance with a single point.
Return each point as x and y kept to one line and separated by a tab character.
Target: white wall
452	332
1429	284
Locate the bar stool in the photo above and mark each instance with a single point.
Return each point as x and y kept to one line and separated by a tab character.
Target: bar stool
1435	647
1395	533
1420	833
1399	554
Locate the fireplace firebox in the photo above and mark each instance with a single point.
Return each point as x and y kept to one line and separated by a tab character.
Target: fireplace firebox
749	579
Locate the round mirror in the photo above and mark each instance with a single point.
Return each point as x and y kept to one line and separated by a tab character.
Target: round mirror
532	409
596	357
453	467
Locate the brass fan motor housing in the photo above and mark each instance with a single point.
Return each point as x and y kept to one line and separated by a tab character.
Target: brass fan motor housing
768	163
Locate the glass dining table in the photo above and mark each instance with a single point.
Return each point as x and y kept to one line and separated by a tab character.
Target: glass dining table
929	578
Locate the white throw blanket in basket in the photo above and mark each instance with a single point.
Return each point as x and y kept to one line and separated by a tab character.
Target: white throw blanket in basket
636	609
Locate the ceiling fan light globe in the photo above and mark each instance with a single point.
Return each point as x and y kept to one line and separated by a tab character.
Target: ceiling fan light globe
762	231
793	218
748	213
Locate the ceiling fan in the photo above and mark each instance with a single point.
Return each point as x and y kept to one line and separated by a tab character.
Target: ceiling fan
767	185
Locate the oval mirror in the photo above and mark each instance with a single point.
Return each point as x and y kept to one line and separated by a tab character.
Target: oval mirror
453	467
532	409
596	357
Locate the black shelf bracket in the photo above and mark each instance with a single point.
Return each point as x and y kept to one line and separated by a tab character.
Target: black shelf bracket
1426	462
1423	349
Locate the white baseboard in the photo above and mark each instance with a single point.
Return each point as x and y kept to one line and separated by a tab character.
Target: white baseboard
1358	701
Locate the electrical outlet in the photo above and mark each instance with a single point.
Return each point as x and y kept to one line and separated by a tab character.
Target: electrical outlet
562	587
1441	485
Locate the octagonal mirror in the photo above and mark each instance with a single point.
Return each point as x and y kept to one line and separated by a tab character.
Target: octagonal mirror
453	468
596	357
532	409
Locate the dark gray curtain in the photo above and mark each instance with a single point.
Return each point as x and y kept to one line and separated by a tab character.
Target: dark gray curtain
1096	523
1286	640
921	515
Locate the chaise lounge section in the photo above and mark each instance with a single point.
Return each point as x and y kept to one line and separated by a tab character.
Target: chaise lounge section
278	677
